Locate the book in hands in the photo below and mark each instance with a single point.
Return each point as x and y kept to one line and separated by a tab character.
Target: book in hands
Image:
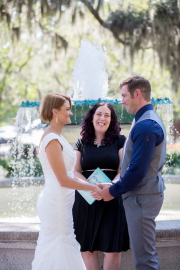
97	177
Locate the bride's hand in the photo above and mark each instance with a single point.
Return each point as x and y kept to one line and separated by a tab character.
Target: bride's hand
98	188
95	194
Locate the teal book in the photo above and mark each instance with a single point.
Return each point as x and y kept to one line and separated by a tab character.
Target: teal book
97	177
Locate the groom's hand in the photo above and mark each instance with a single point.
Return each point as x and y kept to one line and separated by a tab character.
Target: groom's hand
104	193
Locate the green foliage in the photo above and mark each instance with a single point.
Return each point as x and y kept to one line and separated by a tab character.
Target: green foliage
172	164
4	162
25	162
25	152
7	165
13	83
38	63
37	170
173	159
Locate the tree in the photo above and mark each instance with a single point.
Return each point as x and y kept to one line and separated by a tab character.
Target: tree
11	66
62	24
158	27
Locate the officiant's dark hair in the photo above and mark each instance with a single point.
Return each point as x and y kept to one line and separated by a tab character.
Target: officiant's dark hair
140	83
88	131
49	102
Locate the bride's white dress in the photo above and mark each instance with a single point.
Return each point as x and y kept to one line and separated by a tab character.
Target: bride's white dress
57	248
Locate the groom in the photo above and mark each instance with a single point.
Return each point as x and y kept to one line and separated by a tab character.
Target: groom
141	182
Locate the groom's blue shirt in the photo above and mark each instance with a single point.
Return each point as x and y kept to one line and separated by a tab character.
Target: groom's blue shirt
146	135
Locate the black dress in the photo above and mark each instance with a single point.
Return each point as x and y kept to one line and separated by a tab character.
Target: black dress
101	226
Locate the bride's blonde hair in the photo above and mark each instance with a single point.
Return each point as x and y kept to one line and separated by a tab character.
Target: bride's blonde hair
49	102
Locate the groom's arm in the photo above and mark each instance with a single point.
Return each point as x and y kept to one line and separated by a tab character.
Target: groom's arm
145	137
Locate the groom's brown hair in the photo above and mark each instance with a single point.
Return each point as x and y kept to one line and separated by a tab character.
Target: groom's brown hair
49	102
140	83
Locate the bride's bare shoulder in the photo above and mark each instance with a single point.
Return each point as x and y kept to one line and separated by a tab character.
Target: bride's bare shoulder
46	132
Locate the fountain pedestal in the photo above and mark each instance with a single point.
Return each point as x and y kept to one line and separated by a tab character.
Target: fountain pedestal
18	243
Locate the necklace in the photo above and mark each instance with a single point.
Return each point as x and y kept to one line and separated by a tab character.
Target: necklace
95	143
54	131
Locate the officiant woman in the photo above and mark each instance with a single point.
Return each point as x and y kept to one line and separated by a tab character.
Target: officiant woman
101	226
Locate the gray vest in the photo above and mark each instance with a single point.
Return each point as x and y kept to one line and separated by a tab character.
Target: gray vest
153	181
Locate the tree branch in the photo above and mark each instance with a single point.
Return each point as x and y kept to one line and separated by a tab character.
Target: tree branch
96	14
59	82
106	25
5	75
100	3
25	63
15	102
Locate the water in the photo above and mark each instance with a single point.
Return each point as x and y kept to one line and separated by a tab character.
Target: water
90	82
18	204
90	79
26	211
165	111
24	149
25	161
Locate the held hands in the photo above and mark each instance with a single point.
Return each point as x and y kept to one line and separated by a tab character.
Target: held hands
95	194
103	193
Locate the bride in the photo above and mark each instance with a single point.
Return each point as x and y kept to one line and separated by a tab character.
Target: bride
57	248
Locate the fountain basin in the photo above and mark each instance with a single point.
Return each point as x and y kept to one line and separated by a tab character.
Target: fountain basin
18	243
22	197
18	240
81	107
18	199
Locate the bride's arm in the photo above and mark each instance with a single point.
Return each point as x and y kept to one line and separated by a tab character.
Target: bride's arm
55	158
78	174
78	168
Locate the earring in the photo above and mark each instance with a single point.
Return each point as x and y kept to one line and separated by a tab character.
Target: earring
56	120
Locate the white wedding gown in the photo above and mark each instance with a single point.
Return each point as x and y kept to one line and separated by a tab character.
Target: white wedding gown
57	248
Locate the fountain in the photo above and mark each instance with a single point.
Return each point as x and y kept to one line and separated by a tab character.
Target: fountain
91	63
23	190
26	169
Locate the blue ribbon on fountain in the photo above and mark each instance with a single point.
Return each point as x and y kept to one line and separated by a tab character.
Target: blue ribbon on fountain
118	101
92	102
161	101
30	104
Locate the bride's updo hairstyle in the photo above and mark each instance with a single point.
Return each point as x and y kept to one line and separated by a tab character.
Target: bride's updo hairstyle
52	101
